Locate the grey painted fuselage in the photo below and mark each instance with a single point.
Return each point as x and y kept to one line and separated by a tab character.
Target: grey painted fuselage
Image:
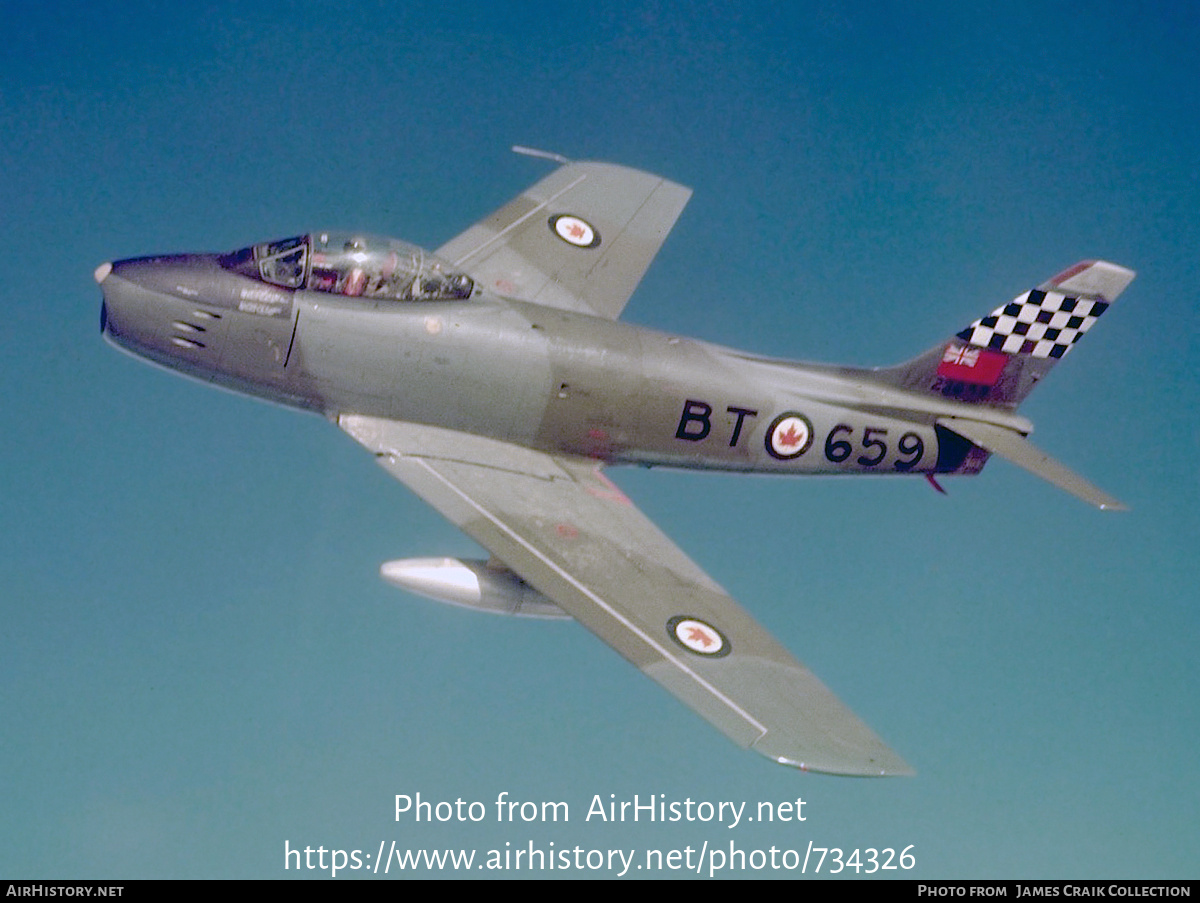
546	378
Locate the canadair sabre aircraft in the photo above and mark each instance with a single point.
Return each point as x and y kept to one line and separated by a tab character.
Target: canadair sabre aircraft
493	378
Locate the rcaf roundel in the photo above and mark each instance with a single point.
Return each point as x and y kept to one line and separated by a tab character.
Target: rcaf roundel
575	231
789	436
698	636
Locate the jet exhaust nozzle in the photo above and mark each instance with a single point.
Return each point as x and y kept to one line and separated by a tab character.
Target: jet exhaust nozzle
470	584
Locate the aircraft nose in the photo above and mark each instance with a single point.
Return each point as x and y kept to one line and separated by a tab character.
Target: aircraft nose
100	274
181	275
128	306
145	297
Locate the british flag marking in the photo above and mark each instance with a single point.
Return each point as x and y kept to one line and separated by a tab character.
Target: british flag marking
575	231
957	354
789	436
698	636
972	365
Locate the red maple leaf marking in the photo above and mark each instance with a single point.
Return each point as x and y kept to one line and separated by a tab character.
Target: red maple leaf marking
790	438
575	230
696	635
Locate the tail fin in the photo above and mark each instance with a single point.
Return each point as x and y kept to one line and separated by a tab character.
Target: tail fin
998	359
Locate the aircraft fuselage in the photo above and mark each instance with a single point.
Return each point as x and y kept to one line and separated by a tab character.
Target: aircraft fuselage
540	377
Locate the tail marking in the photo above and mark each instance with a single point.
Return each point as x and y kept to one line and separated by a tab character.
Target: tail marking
1038	323
998	359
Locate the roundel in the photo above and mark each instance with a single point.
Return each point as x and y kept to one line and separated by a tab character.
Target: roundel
789	436
698	636
574	231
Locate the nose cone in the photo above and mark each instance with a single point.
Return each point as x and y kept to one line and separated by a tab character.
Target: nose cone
134	301
189	313
181	275
100	274
144	295
119	302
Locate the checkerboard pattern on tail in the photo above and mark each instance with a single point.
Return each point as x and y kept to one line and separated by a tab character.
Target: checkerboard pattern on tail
1038	323
998	359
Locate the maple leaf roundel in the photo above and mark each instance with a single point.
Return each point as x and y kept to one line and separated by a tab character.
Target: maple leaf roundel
789	436
575	231
698	636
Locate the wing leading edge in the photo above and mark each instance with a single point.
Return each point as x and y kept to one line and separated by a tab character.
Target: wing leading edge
569	532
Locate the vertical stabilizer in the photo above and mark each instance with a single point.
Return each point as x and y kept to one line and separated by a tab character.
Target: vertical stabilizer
998	359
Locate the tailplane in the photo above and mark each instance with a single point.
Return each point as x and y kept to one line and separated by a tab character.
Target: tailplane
998	359
1011	445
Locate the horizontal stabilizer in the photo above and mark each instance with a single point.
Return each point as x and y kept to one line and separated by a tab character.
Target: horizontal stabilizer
1016	448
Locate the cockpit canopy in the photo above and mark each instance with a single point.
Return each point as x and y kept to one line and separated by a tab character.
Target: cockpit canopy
352	264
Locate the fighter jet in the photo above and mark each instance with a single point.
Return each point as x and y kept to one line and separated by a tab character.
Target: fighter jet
494	379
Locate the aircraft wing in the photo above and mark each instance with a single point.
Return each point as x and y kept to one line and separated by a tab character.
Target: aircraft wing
580	239
571	534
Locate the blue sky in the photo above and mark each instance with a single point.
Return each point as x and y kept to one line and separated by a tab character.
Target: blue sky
201	662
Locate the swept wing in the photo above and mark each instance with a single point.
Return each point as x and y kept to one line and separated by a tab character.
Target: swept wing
570	533
580	239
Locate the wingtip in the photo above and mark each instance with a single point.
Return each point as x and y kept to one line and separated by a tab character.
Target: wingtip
896	771
889	765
